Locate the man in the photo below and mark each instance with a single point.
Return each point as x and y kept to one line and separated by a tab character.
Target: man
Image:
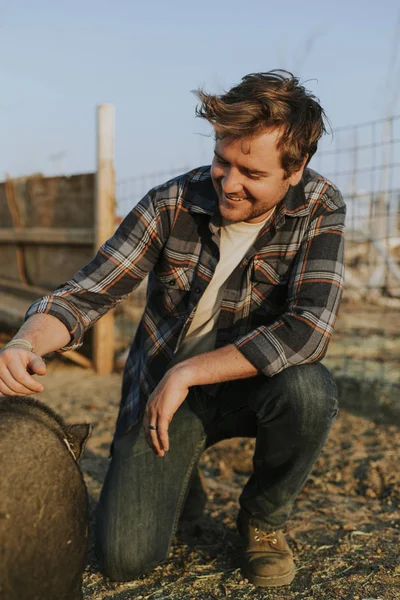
245	264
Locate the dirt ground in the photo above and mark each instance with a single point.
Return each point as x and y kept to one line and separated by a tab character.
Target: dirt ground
344	529
345	526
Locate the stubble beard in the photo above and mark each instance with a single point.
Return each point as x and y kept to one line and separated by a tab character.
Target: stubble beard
254	210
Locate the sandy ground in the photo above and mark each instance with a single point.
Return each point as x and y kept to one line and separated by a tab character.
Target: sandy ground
344	529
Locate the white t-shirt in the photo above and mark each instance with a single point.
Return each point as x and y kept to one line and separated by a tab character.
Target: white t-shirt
235	241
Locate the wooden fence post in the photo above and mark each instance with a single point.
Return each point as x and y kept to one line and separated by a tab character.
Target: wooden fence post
103	339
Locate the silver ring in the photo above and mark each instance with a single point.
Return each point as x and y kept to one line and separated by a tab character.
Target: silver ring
153	427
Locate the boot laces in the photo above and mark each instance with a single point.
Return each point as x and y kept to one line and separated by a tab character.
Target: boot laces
263	537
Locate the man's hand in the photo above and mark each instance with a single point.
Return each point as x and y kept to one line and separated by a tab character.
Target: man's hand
16	366
161	407
224	364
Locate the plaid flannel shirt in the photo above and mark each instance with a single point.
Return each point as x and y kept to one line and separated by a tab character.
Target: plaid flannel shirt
280	302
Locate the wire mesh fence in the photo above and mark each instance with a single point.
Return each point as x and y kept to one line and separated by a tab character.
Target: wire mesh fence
131	189
364	162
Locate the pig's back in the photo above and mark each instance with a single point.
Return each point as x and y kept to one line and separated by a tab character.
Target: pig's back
43	512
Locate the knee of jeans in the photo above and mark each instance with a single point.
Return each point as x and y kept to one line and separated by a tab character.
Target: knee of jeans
120	560
314	393
308	392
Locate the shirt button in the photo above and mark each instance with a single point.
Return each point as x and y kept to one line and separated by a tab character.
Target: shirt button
197	290
244	262
172	282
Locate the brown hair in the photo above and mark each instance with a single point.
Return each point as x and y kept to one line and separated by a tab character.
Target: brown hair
268	100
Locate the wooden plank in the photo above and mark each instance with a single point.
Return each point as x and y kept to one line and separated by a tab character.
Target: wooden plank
103	335
44	235
12	310
78	359
17	222
21	290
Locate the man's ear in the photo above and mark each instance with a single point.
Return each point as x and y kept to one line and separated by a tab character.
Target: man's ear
296	176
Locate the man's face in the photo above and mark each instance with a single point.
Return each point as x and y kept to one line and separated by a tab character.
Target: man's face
248	176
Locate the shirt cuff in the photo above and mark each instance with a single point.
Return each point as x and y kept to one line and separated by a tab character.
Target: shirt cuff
262	348
62	310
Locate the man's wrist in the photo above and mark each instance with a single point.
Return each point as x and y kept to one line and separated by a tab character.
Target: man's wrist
21	343
184	373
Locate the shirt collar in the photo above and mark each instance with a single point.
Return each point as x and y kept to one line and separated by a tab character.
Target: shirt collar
295	202
202	197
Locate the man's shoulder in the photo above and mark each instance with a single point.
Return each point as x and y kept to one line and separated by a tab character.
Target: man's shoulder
320	189
193	191
194	177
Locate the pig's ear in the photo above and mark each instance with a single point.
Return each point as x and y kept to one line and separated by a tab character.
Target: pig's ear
78	436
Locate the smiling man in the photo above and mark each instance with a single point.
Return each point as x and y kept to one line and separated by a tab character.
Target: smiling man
245	264
248	177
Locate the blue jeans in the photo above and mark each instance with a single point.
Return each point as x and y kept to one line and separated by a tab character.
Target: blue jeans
290	415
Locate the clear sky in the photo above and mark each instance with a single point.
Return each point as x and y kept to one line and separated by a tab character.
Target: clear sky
60	58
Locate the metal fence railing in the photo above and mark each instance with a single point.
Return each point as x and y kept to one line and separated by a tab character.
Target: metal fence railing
364	162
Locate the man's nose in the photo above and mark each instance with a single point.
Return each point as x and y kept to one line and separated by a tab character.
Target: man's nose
231	181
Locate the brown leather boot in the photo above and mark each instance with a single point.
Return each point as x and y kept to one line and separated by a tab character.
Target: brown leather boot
267	559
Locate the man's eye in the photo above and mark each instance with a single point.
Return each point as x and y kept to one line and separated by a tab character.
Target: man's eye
254	177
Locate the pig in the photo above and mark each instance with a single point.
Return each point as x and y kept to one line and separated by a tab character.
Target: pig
43	503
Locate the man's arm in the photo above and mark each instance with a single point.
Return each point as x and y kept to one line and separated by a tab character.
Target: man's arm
45	332
223	364
302	333
119	266
59	321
